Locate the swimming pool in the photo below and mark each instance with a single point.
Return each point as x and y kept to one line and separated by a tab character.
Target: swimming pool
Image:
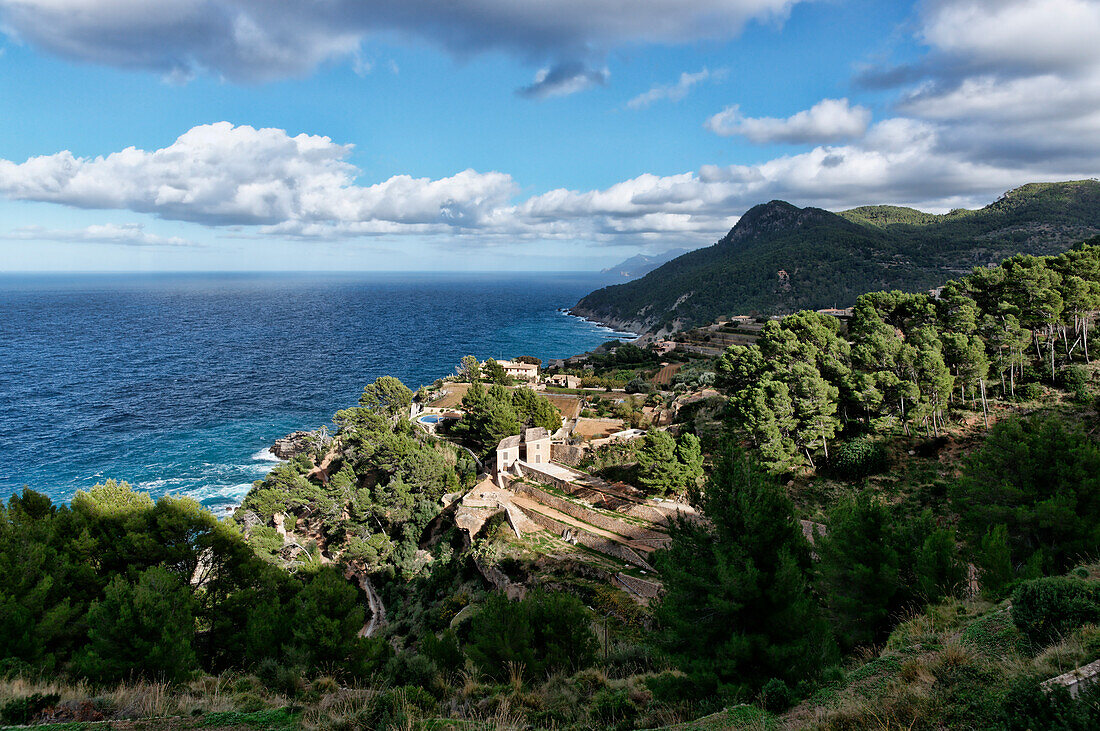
430	419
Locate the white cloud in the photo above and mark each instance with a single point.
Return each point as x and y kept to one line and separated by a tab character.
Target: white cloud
266	183
674	92
830	120
121	234
1008	81
564	79
1029	36
257	40
219	174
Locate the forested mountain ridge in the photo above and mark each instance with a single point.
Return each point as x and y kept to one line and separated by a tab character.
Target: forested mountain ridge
780	258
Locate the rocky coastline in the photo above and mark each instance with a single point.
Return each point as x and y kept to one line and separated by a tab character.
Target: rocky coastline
299	442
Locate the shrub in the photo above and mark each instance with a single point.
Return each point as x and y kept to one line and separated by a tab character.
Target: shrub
1073	378
409	668
249	702
1029	392
544	632
857	459
1045	609
1027	706
22	710
611	705
671	687
776	696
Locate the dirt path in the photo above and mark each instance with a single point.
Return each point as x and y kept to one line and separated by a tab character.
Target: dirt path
377	609
321	471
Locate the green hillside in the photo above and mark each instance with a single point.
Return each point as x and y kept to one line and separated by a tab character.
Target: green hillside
780	258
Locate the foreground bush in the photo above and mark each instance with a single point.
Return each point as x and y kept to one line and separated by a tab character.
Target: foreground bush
1046	609
545	632
857	459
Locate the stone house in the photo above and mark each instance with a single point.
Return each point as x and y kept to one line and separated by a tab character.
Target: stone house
532	446
564	380
523	372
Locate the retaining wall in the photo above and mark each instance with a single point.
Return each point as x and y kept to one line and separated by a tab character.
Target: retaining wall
641	587
566	454
580	512
547	479
1075	681
589	540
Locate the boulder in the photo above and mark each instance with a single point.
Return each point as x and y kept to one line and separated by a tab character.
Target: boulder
294	444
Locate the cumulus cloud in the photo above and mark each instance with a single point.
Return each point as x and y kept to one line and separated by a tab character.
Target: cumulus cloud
258	40
674	92
564	79
1012	36
900	161
218	174
830	120
120	234
265	182
1013	81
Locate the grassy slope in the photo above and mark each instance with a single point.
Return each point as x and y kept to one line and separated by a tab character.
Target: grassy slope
947	667
831	258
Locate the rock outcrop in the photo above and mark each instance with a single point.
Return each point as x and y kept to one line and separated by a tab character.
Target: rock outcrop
296	443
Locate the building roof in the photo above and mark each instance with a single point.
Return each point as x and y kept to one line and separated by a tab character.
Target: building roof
532	435
516	365
507	442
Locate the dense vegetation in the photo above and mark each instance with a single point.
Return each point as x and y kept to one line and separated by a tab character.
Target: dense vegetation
370	495
117	586
907	359
490	414
867	552
829	259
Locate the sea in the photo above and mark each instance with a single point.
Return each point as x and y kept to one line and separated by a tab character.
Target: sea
179	383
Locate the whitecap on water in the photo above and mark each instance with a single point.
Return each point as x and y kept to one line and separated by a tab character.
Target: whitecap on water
266	455
221	494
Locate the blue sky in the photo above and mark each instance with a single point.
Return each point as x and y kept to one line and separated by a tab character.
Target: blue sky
196	135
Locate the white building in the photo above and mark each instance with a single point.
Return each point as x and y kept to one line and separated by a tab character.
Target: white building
532	446
523	372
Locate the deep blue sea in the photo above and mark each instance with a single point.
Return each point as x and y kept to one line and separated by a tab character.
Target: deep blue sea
179	382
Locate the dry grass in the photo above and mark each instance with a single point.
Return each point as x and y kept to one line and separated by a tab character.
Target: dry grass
144	699
19	687
597	428
453	397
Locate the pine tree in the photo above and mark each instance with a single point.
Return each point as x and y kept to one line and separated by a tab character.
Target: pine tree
858	569
145	628
995	561
737	606
658	470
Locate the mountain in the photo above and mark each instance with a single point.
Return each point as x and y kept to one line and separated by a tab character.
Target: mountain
640	264
780	258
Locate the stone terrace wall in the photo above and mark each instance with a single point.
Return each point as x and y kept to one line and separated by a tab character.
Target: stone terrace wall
641	587
566	454
547	479
589	540
600	520
1077	680
658	515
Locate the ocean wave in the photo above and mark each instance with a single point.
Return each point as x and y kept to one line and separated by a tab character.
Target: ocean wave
221	493
163	485
600	327
266	455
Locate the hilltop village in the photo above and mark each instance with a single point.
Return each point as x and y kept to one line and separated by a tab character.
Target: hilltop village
561	487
